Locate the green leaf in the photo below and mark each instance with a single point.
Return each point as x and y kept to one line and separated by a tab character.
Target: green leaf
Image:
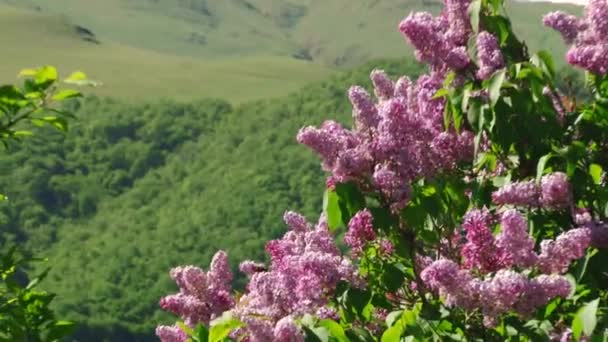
331	208
595	171
77	76
440	93
3	198
351	200
392	334
540	167
572	282
474	11
495	84
46	75
27	73
392	278
185	328
201	333
544	60
221	327
335	330
585	320
312	336
66	94
392	317
10	93
60	329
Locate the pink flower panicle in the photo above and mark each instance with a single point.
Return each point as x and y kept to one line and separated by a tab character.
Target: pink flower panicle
203	296
364	108
525	194
588	36
386	247
514	242
360	231
480	249
504	285
489	55
305	268
566	24
555	191
556	255
505	291
391	139
171	334
328	313
440	41
384	87
286	330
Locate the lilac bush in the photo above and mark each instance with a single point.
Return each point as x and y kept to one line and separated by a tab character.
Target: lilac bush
469	204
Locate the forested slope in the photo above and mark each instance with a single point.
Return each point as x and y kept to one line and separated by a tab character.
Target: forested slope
133	190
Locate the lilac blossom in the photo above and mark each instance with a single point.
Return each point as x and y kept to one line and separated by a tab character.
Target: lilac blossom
514	242
440	41
287	331
171	334
556	255
506	291
384	87
518	194
305	268
390	141
326	312
489	55
203	295
360	231
555	191
588	36
566	24
386	247
364	108
480	249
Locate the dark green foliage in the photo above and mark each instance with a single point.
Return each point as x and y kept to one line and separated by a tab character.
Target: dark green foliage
25	311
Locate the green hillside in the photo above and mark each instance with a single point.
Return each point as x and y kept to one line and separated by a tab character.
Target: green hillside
330	32
133	74
238	50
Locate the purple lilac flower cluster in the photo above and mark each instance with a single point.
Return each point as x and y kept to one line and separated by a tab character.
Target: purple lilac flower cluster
589	36
500	261
360	231
203	295
442	41
395	141
489	55
554	192
305	269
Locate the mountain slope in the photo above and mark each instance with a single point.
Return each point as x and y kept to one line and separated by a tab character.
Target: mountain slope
329	32
133	73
